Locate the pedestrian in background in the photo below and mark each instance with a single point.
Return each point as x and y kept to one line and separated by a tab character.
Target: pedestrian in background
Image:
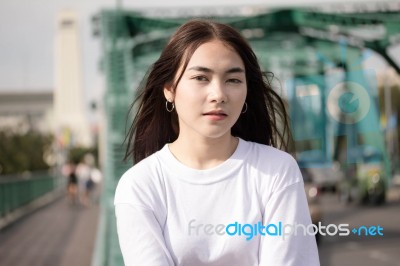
96	177
72	189
83	171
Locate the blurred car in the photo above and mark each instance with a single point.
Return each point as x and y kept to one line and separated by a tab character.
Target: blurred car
325	174
365	178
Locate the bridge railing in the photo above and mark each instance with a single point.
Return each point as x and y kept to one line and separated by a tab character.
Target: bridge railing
19	193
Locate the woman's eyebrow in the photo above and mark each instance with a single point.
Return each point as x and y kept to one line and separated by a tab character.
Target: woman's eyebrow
235	70
208	70
201	69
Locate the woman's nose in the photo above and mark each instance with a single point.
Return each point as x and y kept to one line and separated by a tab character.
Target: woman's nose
218	93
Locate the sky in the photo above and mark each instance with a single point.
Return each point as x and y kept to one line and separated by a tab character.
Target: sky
27	32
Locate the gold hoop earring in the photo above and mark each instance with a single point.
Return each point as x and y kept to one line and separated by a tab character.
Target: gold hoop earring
172	106
245	108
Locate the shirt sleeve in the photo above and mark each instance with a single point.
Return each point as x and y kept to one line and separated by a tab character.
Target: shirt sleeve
140	215
287	207
140	237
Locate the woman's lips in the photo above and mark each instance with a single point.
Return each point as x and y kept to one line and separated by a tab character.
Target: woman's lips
215	116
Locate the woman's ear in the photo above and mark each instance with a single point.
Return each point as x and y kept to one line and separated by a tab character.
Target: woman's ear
169	93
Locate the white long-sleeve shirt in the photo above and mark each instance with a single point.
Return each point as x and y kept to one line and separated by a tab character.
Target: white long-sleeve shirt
170	214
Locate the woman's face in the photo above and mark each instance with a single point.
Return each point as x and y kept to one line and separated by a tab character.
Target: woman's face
210	96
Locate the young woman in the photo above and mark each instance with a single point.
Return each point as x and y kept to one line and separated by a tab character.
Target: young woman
208	187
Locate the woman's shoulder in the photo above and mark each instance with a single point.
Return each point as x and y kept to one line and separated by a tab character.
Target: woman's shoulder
142	168
272	166
265	153
140	181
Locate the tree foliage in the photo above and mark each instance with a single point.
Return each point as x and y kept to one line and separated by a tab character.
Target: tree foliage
395	109
76	154
20	152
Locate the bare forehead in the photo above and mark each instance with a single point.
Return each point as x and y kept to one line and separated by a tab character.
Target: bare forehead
215	54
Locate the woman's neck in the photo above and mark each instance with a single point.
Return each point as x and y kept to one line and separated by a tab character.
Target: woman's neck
203	153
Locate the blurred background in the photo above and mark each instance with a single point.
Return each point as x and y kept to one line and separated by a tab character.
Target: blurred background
68	74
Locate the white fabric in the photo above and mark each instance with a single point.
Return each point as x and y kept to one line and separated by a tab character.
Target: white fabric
159	198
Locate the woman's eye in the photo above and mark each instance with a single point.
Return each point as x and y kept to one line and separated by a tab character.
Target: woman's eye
236	81
200	78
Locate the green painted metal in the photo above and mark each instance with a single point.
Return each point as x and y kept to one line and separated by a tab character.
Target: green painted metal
18	192
117	65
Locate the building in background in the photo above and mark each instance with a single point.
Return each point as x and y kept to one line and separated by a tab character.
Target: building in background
70	120
60	111
27	110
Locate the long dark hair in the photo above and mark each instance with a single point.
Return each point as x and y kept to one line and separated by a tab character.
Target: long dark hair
265	120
